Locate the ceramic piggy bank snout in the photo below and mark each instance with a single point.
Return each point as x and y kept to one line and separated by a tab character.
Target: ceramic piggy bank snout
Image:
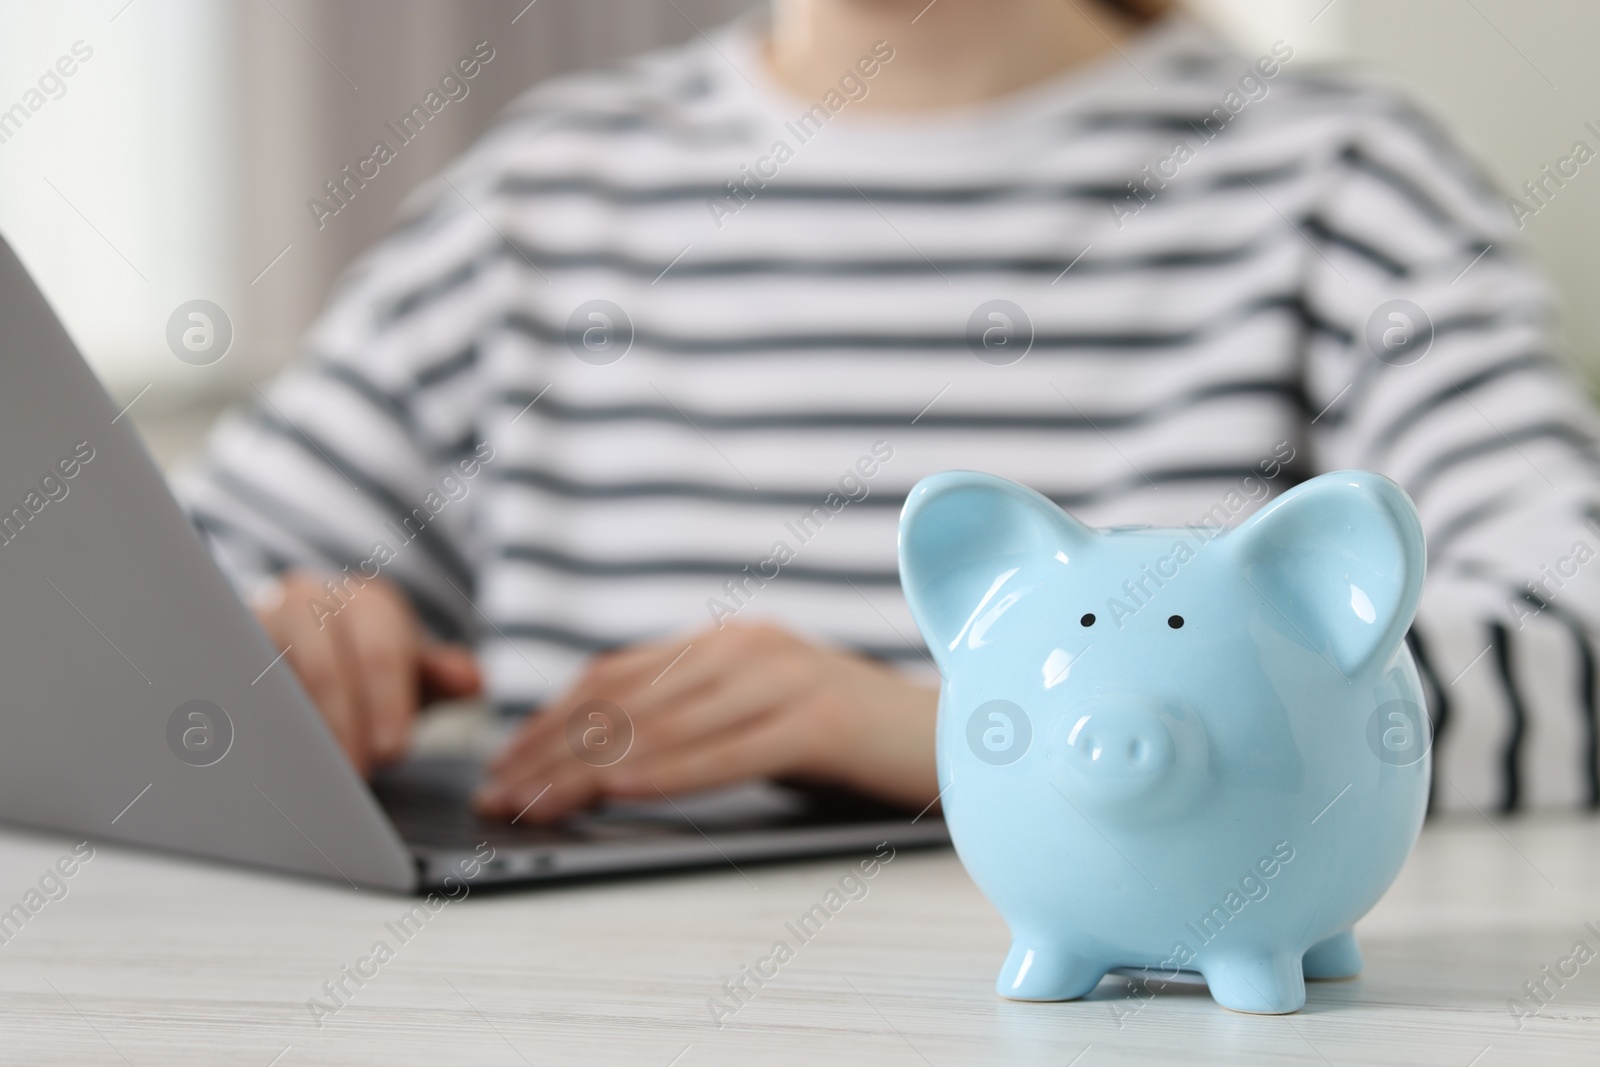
1128	753
1174	749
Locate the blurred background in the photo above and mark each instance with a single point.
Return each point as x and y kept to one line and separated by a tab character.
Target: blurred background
177	161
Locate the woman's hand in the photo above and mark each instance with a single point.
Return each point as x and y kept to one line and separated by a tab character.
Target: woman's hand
363	659
720	706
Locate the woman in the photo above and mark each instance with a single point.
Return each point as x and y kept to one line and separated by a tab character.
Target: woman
632	397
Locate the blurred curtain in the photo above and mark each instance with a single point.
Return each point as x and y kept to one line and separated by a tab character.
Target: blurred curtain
319	80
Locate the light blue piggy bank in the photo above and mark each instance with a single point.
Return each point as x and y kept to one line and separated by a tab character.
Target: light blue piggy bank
1191	749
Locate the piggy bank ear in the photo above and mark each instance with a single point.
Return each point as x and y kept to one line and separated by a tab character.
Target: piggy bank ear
1341	558
962	536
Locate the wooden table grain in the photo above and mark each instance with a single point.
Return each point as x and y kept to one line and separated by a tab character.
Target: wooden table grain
149	959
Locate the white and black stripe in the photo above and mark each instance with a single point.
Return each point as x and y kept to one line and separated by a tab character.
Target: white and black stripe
1170	354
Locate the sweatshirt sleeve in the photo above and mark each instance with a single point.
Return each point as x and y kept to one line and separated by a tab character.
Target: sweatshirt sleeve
354	461
1432	359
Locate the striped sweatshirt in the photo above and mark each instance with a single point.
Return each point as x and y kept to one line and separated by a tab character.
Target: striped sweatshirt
669	346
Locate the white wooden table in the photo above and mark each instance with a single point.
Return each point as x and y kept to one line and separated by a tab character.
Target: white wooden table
158	961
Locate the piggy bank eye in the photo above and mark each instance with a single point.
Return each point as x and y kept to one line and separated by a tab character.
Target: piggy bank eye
1175	621
1088	619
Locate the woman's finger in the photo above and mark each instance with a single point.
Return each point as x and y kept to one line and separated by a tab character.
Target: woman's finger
530	742
382	647
756	748
743	673
747	690
540	800
727	685
559	745
448	671
535	741
534	736
649	657
705	657
318	659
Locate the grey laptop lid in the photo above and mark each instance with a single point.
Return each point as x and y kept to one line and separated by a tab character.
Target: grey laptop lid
139	700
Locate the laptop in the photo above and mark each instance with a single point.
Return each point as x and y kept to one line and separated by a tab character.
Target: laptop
141	703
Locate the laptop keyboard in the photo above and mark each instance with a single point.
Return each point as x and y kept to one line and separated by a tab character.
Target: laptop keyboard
429	801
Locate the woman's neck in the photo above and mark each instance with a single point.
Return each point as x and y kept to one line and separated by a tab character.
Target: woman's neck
946	54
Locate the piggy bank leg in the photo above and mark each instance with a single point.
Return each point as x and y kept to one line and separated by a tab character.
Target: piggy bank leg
1334	957
1040	969
1261	984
